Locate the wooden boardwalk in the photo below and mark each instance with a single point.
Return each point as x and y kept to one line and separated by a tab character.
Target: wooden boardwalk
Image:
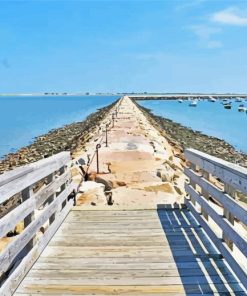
134	252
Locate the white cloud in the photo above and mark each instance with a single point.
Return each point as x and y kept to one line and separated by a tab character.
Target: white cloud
230	16
206	34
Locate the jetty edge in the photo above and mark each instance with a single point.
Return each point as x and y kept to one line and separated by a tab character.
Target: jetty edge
132	232
182	137
69	137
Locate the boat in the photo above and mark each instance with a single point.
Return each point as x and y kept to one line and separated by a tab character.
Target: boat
180	101
227	105
211	99
193	103
242	108
239	100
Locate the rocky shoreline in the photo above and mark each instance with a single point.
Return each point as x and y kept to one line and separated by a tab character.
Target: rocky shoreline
71	137
181	137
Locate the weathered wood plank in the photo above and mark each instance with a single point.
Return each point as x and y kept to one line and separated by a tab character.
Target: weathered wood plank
22	269
227	228
222	247
229	173
68	280
9	221
226	201
15	186
132	290
7	256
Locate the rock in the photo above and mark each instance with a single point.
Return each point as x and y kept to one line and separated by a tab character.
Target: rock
108	184
91	185
166	174
178	190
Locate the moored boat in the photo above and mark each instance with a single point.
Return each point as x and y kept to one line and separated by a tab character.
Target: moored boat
242	108
239	100
193	103
211	99
180	101
227	105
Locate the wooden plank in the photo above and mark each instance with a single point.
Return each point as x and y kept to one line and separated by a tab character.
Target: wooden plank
64	289
221	246
57	263
68	280
15	186
113	252
125	271
229	173
227	228
9	221
226	201
16	173
16	276
7	256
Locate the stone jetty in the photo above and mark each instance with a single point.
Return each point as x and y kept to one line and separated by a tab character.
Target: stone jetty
137	161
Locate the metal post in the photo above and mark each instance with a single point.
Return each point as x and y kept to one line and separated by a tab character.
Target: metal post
106	139
113	118
97	156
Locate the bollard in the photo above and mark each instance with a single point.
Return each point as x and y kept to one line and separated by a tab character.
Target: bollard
97	156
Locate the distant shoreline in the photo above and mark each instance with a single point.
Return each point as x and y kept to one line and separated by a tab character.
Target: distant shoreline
135	96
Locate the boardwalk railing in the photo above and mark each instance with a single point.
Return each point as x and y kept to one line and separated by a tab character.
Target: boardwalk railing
41	190
213	187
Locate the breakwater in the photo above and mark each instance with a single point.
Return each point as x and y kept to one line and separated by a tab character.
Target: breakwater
67	138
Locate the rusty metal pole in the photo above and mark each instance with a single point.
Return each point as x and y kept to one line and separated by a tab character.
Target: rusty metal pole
97	156
106	138
113	118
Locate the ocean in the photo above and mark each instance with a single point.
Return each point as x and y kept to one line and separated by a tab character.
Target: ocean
22	118
209	118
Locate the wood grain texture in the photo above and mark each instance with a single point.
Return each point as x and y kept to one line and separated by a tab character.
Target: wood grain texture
89	258
229	173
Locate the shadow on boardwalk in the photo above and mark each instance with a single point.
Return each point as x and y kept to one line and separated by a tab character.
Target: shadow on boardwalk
200	266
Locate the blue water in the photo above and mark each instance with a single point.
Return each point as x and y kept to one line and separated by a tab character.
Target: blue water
23	118
210	118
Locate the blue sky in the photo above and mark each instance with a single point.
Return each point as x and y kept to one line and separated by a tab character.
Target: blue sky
159	46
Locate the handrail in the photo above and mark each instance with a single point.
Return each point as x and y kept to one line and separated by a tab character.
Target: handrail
212	191
43	188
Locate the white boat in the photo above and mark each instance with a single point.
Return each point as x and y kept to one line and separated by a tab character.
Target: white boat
242	108
193	103
180	101
211	99
239	100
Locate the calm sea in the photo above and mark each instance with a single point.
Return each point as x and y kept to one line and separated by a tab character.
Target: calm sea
23	118
210	118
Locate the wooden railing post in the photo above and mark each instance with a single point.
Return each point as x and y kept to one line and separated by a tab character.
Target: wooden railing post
26	194
206	176
192	183
50	178
227	214
62	171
